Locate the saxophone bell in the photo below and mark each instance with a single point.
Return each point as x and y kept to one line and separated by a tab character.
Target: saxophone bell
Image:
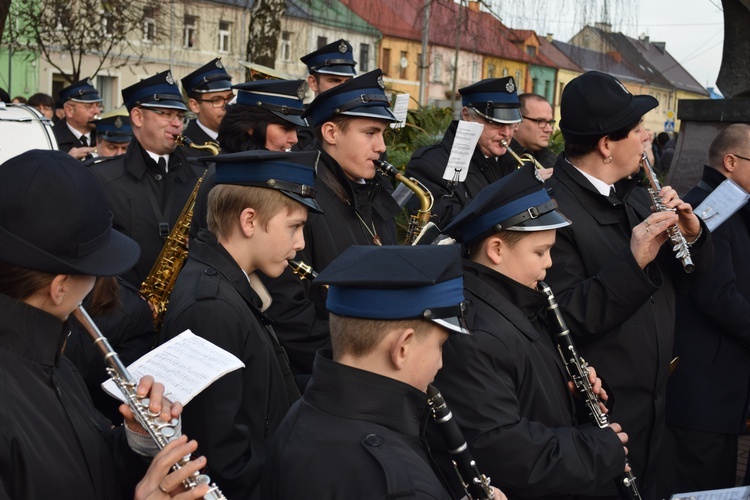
418	221
183	140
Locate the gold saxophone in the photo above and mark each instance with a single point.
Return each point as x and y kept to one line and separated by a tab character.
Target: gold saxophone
158	285
183	140
524	158
417	221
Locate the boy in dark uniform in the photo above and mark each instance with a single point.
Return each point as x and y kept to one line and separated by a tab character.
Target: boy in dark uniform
357	432
349	121
256	213
506	383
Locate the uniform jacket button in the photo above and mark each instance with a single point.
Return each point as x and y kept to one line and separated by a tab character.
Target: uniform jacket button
373	440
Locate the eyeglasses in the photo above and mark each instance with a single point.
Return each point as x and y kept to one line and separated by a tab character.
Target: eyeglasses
169	115
541	122
740	157
218	101
497	126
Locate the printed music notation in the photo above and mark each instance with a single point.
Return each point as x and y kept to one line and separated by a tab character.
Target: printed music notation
467	136
741	493
723	201
186	365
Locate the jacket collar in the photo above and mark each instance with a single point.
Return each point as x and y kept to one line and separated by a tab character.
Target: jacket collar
137	162
30	332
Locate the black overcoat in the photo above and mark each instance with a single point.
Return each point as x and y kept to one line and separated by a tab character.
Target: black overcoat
199	137
507	388
66	140
622	316
354	434
145	203
235	416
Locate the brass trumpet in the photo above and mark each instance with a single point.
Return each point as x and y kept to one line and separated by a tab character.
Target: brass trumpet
524	158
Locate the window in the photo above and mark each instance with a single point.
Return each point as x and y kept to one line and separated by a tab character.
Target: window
225	36
322	41
474	71
402	64
286	46
191	28
531	50
490	71
519	81
149	25
505	72
107	87
386	61
437	68
535	85
548	90
364	57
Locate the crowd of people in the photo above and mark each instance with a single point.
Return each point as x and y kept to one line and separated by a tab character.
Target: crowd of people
292	265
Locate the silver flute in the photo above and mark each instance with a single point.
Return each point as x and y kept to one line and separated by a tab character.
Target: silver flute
160	431
679	243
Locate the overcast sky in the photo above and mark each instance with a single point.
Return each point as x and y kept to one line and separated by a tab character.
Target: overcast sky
692	29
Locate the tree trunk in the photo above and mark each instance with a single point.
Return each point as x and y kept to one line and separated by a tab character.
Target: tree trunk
265	31
4	9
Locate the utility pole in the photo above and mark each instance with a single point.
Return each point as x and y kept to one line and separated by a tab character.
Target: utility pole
424	63
455	57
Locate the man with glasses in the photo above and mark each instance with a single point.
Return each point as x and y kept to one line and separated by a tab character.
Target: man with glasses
149	185
75	133
533	133
209	90
493	103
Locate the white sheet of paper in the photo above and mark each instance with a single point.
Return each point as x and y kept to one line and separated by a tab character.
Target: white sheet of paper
723	201
467	136
739	493
186	365
400	109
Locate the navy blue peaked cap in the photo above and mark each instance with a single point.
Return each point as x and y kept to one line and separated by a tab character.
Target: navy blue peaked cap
516	202
211	77
363	96
336	58
494	98
158	91
398	282
80	91
114	129
283	98
292	173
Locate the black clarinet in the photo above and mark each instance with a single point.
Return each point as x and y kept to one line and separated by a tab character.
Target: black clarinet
578	370
476	485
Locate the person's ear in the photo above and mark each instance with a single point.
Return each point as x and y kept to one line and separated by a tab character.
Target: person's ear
401	348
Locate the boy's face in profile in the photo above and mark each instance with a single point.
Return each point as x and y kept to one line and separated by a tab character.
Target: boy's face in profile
356	148
528	260
277	240
427	357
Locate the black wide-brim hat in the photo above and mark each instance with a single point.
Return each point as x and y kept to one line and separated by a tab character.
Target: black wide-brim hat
54	218
596	104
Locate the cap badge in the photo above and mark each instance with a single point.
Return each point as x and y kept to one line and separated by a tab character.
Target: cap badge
381	84
170	80
219	65
301	92
342	47
118	122
510	86
89	82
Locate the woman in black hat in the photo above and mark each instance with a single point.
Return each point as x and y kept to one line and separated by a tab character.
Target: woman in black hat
614	277
56	236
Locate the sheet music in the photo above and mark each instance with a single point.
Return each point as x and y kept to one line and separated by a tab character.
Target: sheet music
467	136
723	201
400	109
186	365
741	493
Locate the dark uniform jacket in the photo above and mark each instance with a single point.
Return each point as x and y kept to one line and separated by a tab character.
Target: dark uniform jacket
145	202
709	389
66	140
235	416
354	434
507	389
427	165
622	316
53	443
298	309
199	137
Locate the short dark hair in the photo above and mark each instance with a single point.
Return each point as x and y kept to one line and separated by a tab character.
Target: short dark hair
510	238
41	99
582	149
530	96
726	142
241	118
341	121
662	138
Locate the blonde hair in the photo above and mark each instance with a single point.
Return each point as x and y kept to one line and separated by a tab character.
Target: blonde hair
359	336
227	201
